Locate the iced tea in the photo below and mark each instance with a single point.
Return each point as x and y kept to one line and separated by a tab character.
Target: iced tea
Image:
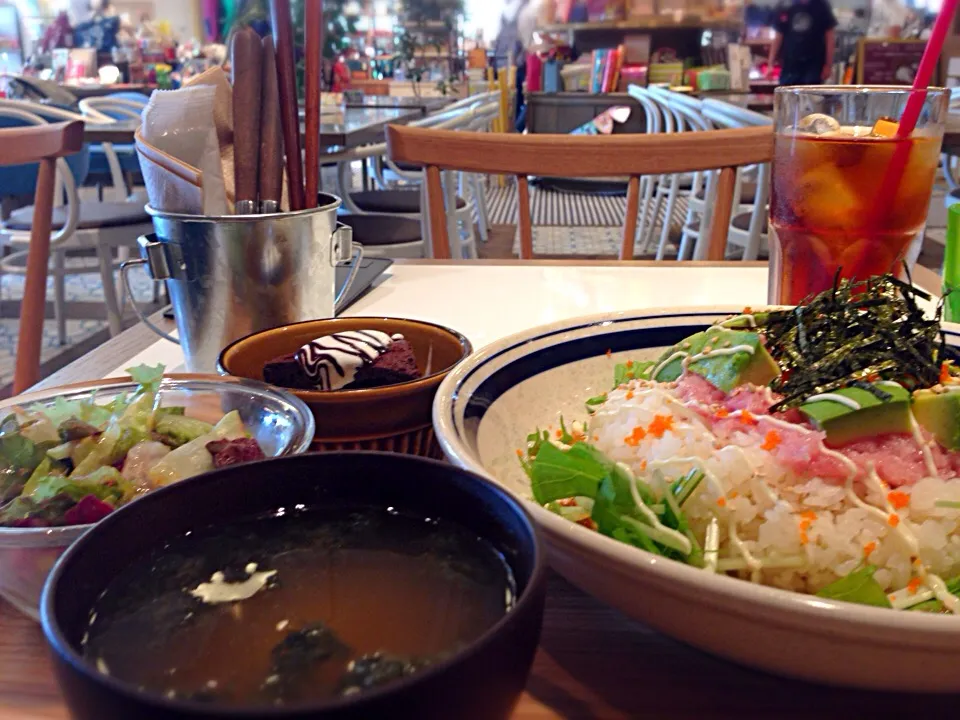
832	203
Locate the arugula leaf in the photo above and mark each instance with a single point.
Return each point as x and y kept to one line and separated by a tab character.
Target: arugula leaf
557	474
857	587
147	377
682	488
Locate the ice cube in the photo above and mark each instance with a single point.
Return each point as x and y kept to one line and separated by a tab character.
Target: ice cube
818	123
851	131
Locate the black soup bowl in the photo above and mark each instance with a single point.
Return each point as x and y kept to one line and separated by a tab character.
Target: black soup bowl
481	680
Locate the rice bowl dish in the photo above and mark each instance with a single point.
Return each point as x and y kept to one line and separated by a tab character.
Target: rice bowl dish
813	450
491	406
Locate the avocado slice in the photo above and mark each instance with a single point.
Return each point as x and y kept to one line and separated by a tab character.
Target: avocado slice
723	371
845	424
939	413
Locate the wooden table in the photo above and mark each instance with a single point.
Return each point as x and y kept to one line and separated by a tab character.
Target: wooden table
593	662
343	127
426	105
354	126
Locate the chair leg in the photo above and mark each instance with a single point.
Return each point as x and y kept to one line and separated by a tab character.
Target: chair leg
32	309
450	200
480	202
655	213
668	216
109	288
60	294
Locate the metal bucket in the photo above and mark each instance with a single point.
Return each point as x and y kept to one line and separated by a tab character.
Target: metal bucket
233	275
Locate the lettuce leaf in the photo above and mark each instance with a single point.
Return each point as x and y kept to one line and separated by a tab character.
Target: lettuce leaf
556	474
147	377
857	587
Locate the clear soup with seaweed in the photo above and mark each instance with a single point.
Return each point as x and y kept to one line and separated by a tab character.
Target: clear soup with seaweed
302	606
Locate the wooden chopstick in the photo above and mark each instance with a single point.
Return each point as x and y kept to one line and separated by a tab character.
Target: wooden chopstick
289	112
313	47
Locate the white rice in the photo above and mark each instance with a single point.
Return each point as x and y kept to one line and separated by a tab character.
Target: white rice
782	518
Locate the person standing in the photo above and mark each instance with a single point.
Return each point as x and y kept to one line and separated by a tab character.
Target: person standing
804	41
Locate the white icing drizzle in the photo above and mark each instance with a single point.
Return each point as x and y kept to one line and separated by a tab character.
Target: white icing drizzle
333	360
834	397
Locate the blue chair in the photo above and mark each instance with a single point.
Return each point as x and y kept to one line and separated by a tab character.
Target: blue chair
108	159
99	226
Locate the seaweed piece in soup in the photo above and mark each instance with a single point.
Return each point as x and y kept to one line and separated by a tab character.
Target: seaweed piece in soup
294	657
375	669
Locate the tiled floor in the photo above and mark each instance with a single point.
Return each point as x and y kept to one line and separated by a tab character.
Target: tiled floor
84	291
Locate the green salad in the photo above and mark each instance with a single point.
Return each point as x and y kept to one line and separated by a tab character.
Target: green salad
74	462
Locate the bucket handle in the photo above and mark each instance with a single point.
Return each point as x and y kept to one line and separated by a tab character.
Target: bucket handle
124	268
344	249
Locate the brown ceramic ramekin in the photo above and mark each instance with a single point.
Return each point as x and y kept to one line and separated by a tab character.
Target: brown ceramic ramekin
394	418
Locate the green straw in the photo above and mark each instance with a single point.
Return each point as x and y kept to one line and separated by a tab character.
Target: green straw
951	266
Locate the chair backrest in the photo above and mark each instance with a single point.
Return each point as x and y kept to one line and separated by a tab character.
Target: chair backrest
580	156
729	115
107	109
22	179
651	110
43	144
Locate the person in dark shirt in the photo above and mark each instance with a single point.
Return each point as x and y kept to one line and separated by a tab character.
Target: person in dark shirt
804	41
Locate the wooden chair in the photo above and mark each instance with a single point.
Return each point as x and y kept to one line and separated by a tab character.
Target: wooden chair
580	156
43	144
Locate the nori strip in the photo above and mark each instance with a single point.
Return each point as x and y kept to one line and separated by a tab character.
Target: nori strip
853	334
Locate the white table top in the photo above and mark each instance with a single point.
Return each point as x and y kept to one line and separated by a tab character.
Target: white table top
489	302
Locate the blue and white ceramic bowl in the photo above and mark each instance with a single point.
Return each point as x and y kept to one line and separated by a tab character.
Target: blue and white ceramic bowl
482	414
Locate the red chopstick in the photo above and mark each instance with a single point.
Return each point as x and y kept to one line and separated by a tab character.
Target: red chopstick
313	47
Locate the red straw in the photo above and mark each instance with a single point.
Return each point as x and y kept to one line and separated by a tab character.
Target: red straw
928	63
911	113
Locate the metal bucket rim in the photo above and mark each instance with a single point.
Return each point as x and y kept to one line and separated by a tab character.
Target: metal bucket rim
334	205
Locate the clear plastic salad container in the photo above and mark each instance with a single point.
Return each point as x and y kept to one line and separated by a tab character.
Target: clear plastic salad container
281	424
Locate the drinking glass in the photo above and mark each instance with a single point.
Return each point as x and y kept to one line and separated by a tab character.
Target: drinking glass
848	195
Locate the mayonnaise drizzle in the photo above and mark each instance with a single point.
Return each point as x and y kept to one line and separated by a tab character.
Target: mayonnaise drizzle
711	545
753	564
924	447
834	397
682	540
688	358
